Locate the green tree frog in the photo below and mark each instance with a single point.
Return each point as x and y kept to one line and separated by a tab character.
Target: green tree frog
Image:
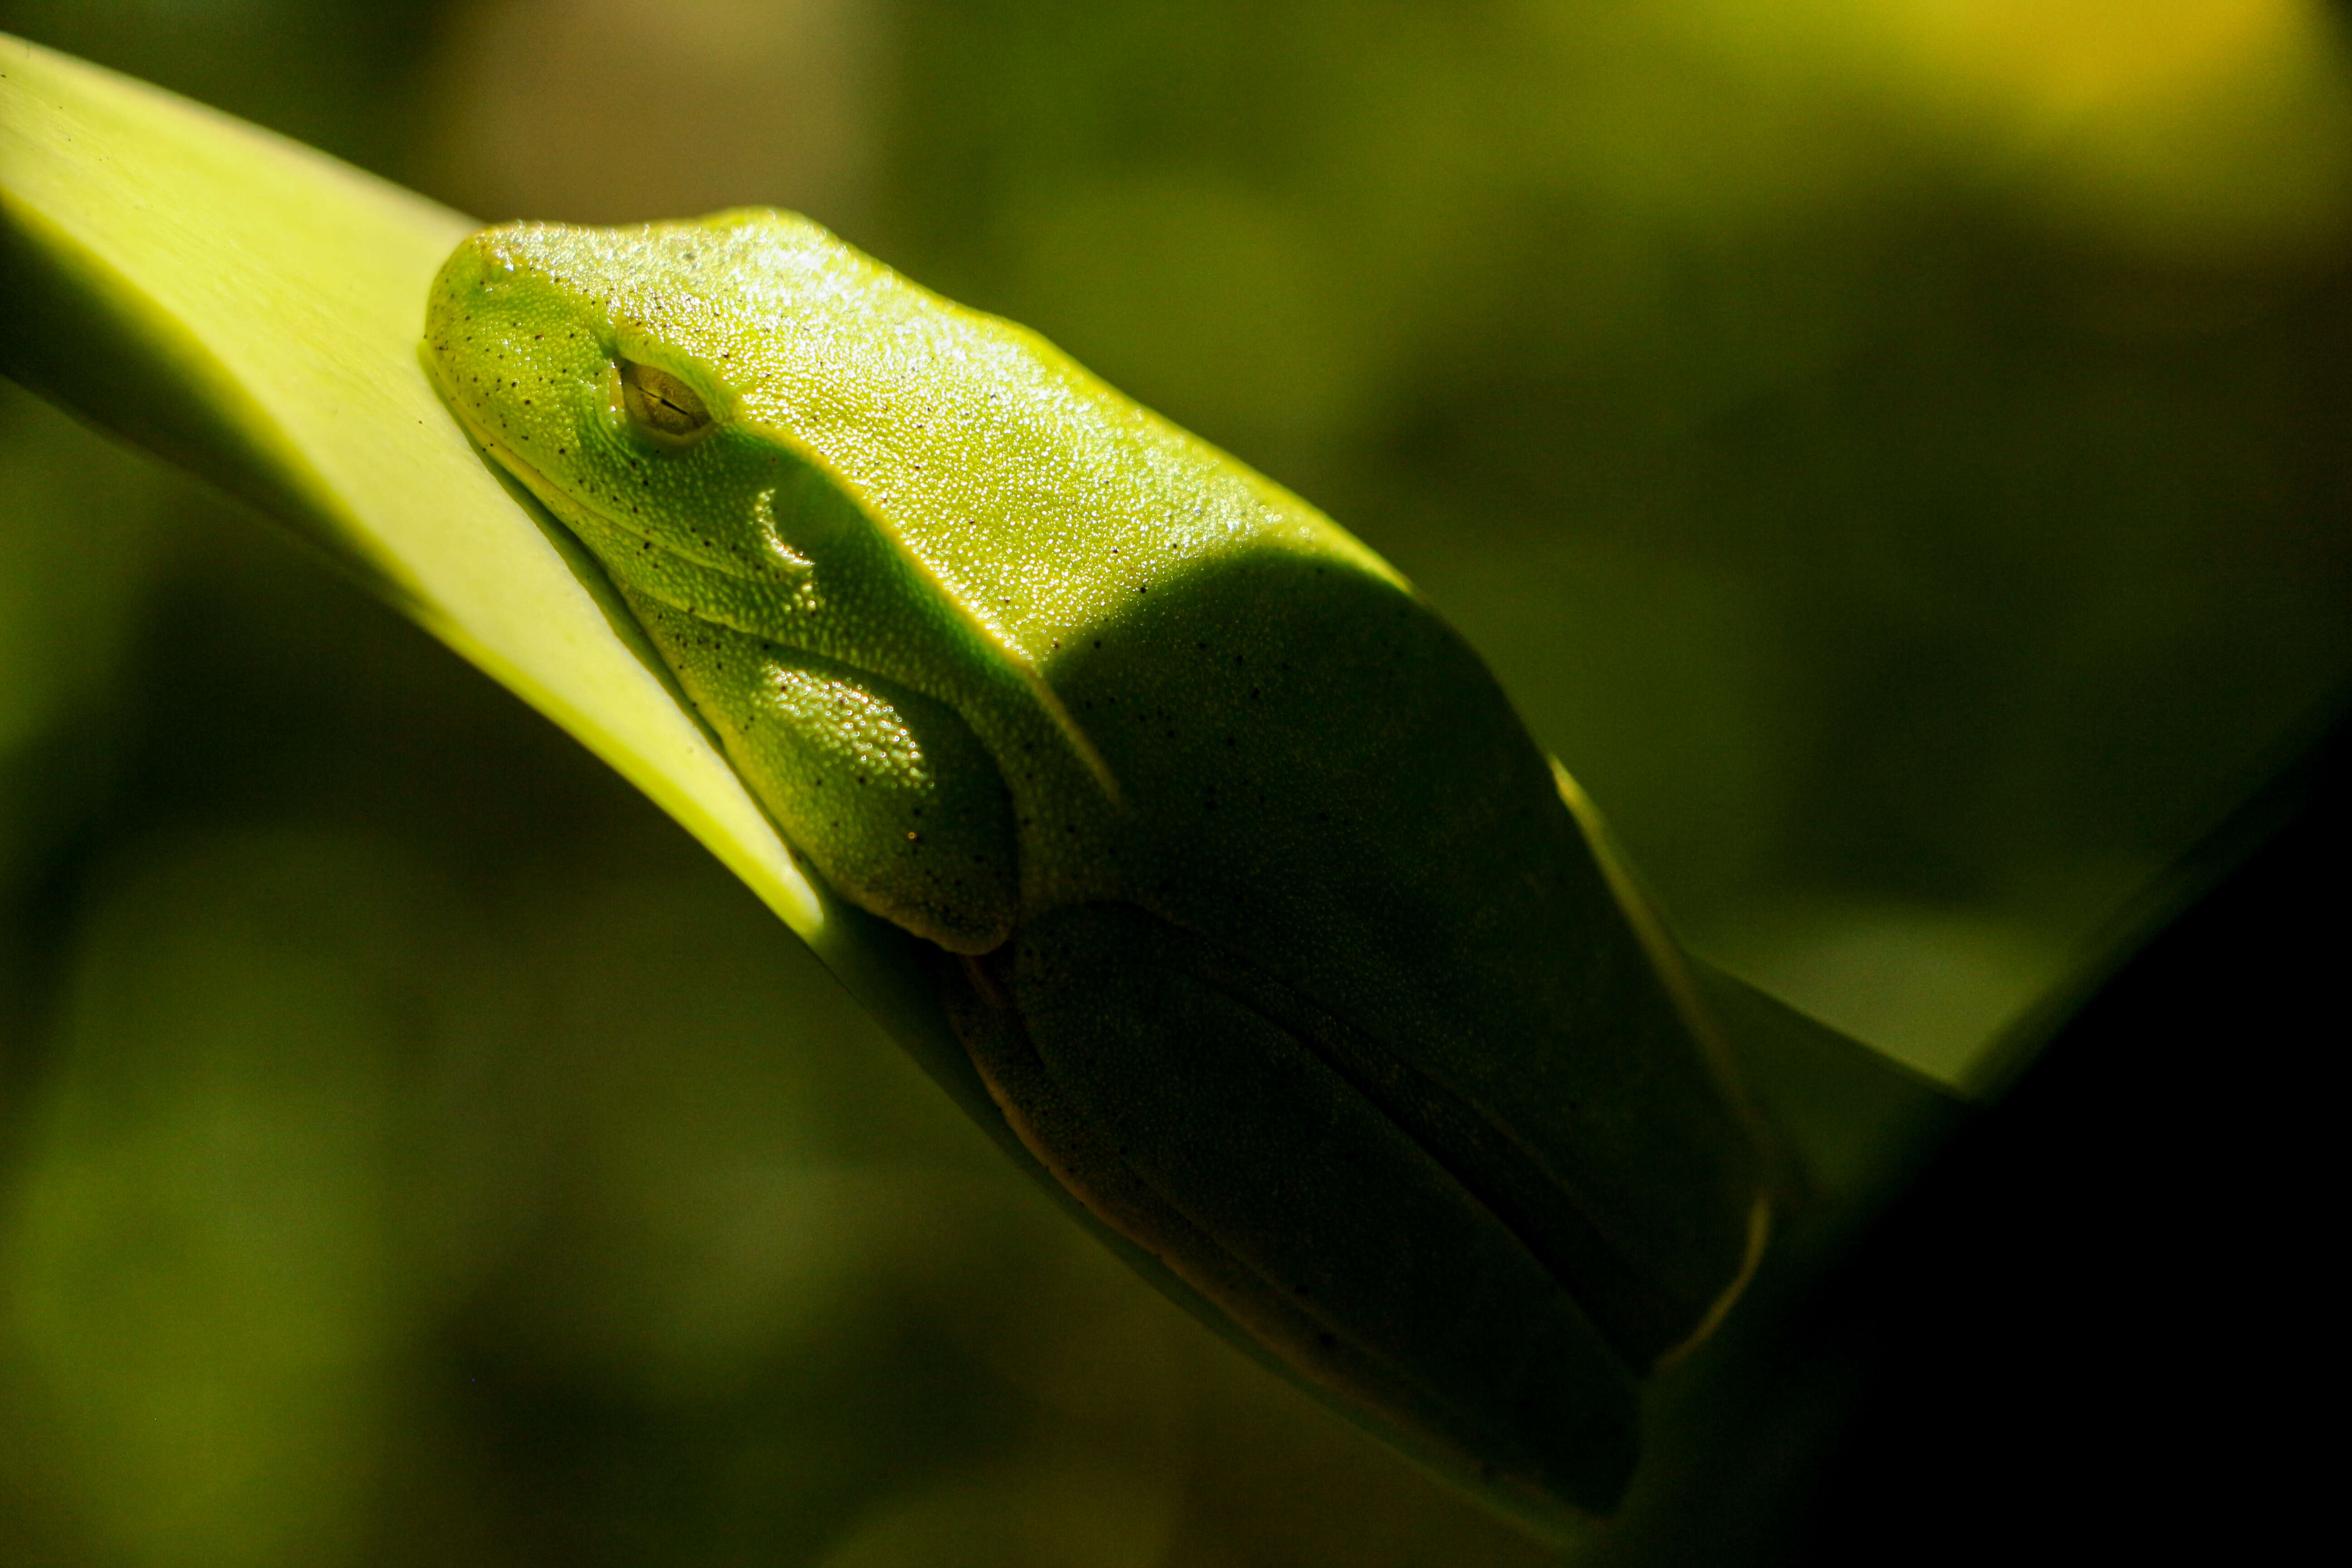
1268	927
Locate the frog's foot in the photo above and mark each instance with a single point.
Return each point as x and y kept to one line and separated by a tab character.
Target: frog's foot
889	791
1228	1146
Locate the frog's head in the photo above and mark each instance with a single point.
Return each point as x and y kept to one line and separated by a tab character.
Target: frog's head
598	366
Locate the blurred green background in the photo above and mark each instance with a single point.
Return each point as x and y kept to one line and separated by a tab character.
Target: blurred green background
1900	454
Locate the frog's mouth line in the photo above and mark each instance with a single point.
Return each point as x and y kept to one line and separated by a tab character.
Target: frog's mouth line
570	511
567	509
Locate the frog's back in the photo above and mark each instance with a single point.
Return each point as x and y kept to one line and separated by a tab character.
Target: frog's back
1271	695
993	458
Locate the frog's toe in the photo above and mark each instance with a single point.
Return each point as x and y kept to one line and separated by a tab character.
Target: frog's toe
888	792
1224	1145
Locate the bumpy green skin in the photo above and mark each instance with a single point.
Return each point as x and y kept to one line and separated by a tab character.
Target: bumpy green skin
1275	941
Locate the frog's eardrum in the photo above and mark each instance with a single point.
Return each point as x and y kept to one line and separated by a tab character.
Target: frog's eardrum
1259	912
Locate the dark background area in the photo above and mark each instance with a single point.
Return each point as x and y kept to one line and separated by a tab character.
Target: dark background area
1894	453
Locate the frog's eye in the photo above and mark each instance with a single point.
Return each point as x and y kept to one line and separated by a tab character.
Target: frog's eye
661	405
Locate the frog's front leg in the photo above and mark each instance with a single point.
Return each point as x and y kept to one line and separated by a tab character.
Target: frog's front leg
889	791
1197	1120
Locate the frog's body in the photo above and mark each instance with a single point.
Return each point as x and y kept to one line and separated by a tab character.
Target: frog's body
1276	943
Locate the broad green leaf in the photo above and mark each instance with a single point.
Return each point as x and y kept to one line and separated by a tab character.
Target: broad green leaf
250	308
